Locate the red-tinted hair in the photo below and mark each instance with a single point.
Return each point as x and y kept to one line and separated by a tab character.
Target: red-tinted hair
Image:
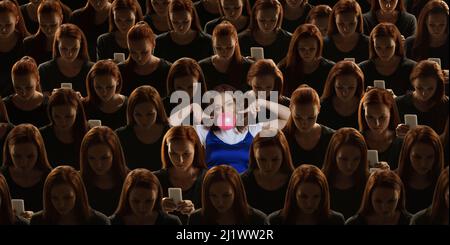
26	66
101	68
343	7
438	207
319	11
246	8
375	5
265	4
343	68
7	216
71	31
386	30
266	67
426	68
144	94
140	31
377	96
185	5
184	67
3	112
7	6
132	5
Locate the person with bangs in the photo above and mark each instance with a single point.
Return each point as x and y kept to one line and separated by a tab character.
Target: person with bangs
183	166
345	38
383	201
30	13
319	16
304	63
236	12
27	104
437	213
66	130
431	39
308	140
185	38
421	161
156	15
104	101
224	201
141	66
207	10
378	120
7	214
140	201
147	124
427	101
347	170
265	31
295	13
93	20
5	126
66	201
270	168
387	60
227	65
307	200
122	17
13	31
70	63
102	168
340	99
40	45
390	11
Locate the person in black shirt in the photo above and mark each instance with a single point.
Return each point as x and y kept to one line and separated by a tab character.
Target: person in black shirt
27	104
30	13
146	125
431	39
103	169
345	38
66	201
5	126
270	167
140	202
224	200
104	101
347	170
295	13
307	200
387	60
420	163
7	214
207	10
66	130
340	100
25	165
237	12
142	67
265	31
156	15
319	16
185	38
383	201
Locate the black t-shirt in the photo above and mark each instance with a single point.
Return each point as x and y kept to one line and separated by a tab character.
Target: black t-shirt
32	47
391	154
96	218
331	118
163	219
360	52
7	60
204	15
138	154
433	52
256	217
397	81
113	120
358	219
210	25
52	77
316	155
275	51
107	46
156	79
149	21
423	217
291	25
105	201
265	200
334	218
200	48
59	153
417	200
38	116
348	201
406	23
32	26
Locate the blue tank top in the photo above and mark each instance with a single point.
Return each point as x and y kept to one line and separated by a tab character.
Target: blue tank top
235	155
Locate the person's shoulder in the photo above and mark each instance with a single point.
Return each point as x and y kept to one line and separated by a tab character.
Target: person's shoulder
408	16
364	38
354	220
245	176
169	219
28	41
123	130
21	221
410	40
275	218
203	36
8	99
408	62
327	130
365	64
257	217
37	218
163	36
161	173
115	220
284	33
336	218
205	62
196	217
47	65
246	34
165	64
404	99
327	63
405	217
368	16
98	218
106	37
421	218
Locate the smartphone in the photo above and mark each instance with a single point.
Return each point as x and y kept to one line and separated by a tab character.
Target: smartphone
379	84
437	60
372	157
18	205
411	120
257	53
119	57
350	59
176	195
94	123
66	85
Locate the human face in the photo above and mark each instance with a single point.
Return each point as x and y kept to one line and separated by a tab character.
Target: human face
294	3
425	88
387	6
185	83
322	24
305	117
105	87
346	23
308	197
224	46
267	19
124	19
100	158
181	153
269	159
145	114
140	51
181	21
377	117
49	23
307	49
232	8
64	116
142	201
25	85
8	23
384	201
345	87
69	48
264	83
24	156
224	103
437	25
384	47
221	195
99	5
160	6
422	158
63	198
348	158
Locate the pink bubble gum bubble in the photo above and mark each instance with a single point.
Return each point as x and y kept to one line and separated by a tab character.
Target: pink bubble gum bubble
226	121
